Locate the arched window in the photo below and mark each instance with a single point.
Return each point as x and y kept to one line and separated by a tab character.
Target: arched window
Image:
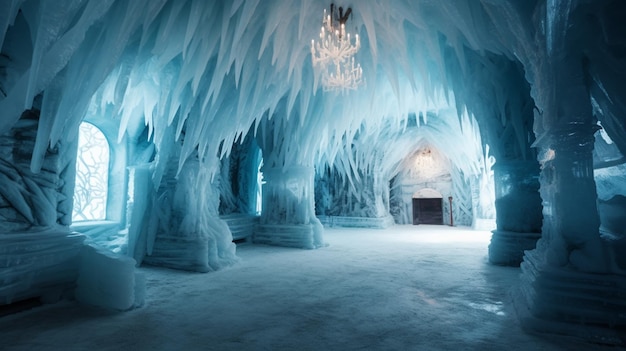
92	175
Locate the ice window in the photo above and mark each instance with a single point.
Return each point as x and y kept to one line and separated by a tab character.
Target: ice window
92	175
259	189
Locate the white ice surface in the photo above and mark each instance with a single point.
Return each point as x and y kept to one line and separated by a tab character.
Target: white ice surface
404	288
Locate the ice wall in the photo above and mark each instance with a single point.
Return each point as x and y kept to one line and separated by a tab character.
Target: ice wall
38	253
362	201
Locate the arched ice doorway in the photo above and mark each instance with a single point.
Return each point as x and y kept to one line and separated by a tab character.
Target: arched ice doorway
427	207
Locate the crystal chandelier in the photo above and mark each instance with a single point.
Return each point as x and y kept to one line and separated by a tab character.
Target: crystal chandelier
333	55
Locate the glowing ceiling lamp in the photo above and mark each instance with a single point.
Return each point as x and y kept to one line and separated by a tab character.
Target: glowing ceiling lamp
333	55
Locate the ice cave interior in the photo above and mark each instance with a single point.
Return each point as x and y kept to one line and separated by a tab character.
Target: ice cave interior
164	132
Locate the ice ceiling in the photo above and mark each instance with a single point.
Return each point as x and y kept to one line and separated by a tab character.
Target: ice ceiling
208	71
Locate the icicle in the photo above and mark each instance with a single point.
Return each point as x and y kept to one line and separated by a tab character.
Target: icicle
368	20
8	11
52	18
244	20
193	20
50	105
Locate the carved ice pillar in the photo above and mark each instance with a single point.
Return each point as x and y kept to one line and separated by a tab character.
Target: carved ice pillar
380	185
288	215
518	211
39	256
179	226
569	283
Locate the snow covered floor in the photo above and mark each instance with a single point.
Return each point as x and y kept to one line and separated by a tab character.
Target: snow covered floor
403	288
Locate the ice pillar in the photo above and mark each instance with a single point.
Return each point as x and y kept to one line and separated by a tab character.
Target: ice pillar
38	253
288	215
180	226
518	211
569	283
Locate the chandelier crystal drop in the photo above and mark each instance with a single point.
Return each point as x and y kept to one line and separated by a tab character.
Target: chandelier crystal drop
333	54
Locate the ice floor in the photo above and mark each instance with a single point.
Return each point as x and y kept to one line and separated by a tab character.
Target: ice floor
404	288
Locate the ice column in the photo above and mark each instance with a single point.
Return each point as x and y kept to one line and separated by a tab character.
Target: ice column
180	227
38	253
570	284
518	211
288	215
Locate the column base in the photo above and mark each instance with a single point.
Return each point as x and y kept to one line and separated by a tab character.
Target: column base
241	226
566	302
188	254
357	222
290	235
507	248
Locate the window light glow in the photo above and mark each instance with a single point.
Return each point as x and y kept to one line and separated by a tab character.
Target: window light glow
92	175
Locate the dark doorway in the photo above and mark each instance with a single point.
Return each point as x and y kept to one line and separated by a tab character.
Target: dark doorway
427	211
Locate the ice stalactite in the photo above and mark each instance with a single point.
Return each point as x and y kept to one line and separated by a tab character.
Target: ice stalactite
164	59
